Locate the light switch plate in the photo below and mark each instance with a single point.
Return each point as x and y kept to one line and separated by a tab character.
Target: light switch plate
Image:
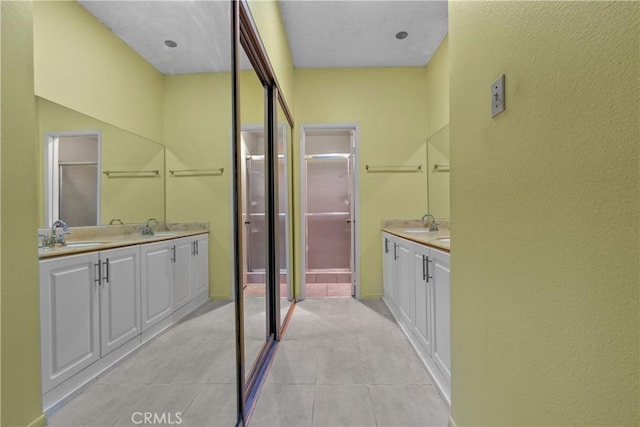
497	96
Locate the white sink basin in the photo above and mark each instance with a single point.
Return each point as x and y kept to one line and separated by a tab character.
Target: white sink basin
444	240
83	244
164	234
416	230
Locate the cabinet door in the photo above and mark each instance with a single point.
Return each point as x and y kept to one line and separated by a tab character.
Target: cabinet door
201	268
405	282
69	319
119	297
184	250
394	270
441	310
387	266
422	302
156	281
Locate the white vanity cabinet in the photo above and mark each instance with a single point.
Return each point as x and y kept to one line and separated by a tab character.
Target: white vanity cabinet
388	268
69	316
119	297
98	307
190	269
397	267
404	259
441	312
201	266
157	282
183	288
423	300
89	306
417	291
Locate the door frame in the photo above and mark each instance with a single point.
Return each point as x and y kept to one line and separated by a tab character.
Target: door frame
52	179
355	268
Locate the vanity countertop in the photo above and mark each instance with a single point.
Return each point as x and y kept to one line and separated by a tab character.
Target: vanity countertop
91	239
418	233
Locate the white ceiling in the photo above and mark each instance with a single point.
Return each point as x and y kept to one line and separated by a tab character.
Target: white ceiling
329	33
201	29
362	33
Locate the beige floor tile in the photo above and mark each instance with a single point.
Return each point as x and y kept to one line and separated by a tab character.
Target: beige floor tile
215	405
408	406
343	405
284	405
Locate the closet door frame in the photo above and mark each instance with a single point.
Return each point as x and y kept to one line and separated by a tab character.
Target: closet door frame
244	35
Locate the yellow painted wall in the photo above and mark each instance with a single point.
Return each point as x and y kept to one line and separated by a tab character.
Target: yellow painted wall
20	401
389	105
82	65
437	83
131	199
268	19
198	136
545	210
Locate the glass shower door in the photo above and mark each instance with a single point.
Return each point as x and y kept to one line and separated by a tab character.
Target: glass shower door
255	218
328	213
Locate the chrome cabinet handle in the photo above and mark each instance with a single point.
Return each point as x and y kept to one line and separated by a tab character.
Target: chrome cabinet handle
195	244
98	274
395	251
106	271
424	270
386	245
173	253
428	277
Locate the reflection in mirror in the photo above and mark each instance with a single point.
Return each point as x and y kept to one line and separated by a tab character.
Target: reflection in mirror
438	167
74	177
180	96
72	168
253	173
253	209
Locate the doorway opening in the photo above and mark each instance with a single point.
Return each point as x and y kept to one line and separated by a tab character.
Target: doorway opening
329	179
73	178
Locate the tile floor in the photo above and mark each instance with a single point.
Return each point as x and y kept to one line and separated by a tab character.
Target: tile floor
346	363
172	373
341	363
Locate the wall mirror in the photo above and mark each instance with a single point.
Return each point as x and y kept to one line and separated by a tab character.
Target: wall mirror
183	175
439	167
156	86
254	214
95	173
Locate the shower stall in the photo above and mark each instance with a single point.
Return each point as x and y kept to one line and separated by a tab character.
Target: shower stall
73	178
254	212
328	213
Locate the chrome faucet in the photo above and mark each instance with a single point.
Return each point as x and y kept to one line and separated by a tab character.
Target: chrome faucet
147	230
114	220
58	239
434	224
